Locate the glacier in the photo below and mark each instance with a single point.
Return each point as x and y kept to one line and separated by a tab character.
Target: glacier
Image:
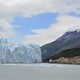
19	53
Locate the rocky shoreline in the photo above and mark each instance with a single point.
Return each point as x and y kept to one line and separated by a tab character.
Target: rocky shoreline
63	60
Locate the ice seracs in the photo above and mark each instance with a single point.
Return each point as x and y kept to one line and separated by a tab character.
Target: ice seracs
19	53
27	54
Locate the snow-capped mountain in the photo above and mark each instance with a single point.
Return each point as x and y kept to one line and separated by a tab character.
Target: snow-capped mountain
69	35
68	40
19	53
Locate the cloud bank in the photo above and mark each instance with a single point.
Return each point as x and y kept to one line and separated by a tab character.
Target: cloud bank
6	29
9	9
63	24
12	8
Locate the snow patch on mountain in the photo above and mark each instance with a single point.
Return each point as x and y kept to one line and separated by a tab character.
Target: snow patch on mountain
78	30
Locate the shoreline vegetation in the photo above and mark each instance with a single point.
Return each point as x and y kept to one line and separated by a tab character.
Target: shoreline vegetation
69	56
62	60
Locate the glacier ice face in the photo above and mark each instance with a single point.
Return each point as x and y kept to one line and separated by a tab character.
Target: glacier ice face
27	53
19	53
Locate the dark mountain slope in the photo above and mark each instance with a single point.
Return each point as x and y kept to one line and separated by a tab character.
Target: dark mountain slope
68	40
67	53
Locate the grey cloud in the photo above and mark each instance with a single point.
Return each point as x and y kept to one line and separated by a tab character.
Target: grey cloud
12	8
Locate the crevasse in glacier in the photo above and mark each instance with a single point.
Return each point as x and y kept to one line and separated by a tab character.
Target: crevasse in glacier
19	53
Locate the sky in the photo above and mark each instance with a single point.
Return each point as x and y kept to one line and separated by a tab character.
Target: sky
38	21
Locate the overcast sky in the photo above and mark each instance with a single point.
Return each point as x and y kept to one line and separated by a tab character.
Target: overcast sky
38	21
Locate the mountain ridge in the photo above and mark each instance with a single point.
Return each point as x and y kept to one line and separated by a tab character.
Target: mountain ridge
68	40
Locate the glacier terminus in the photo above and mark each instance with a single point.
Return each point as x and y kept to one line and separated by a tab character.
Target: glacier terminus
19	53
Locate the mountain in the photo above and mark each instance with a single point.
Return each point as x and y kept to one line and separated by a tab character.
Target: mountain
19	53
68	40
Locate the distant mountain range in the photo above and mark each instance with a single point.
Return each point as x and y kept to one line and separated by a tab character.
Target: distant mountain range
68	40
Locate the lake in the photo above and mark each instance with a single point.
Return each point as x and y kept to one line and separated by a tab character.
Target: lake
39	72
